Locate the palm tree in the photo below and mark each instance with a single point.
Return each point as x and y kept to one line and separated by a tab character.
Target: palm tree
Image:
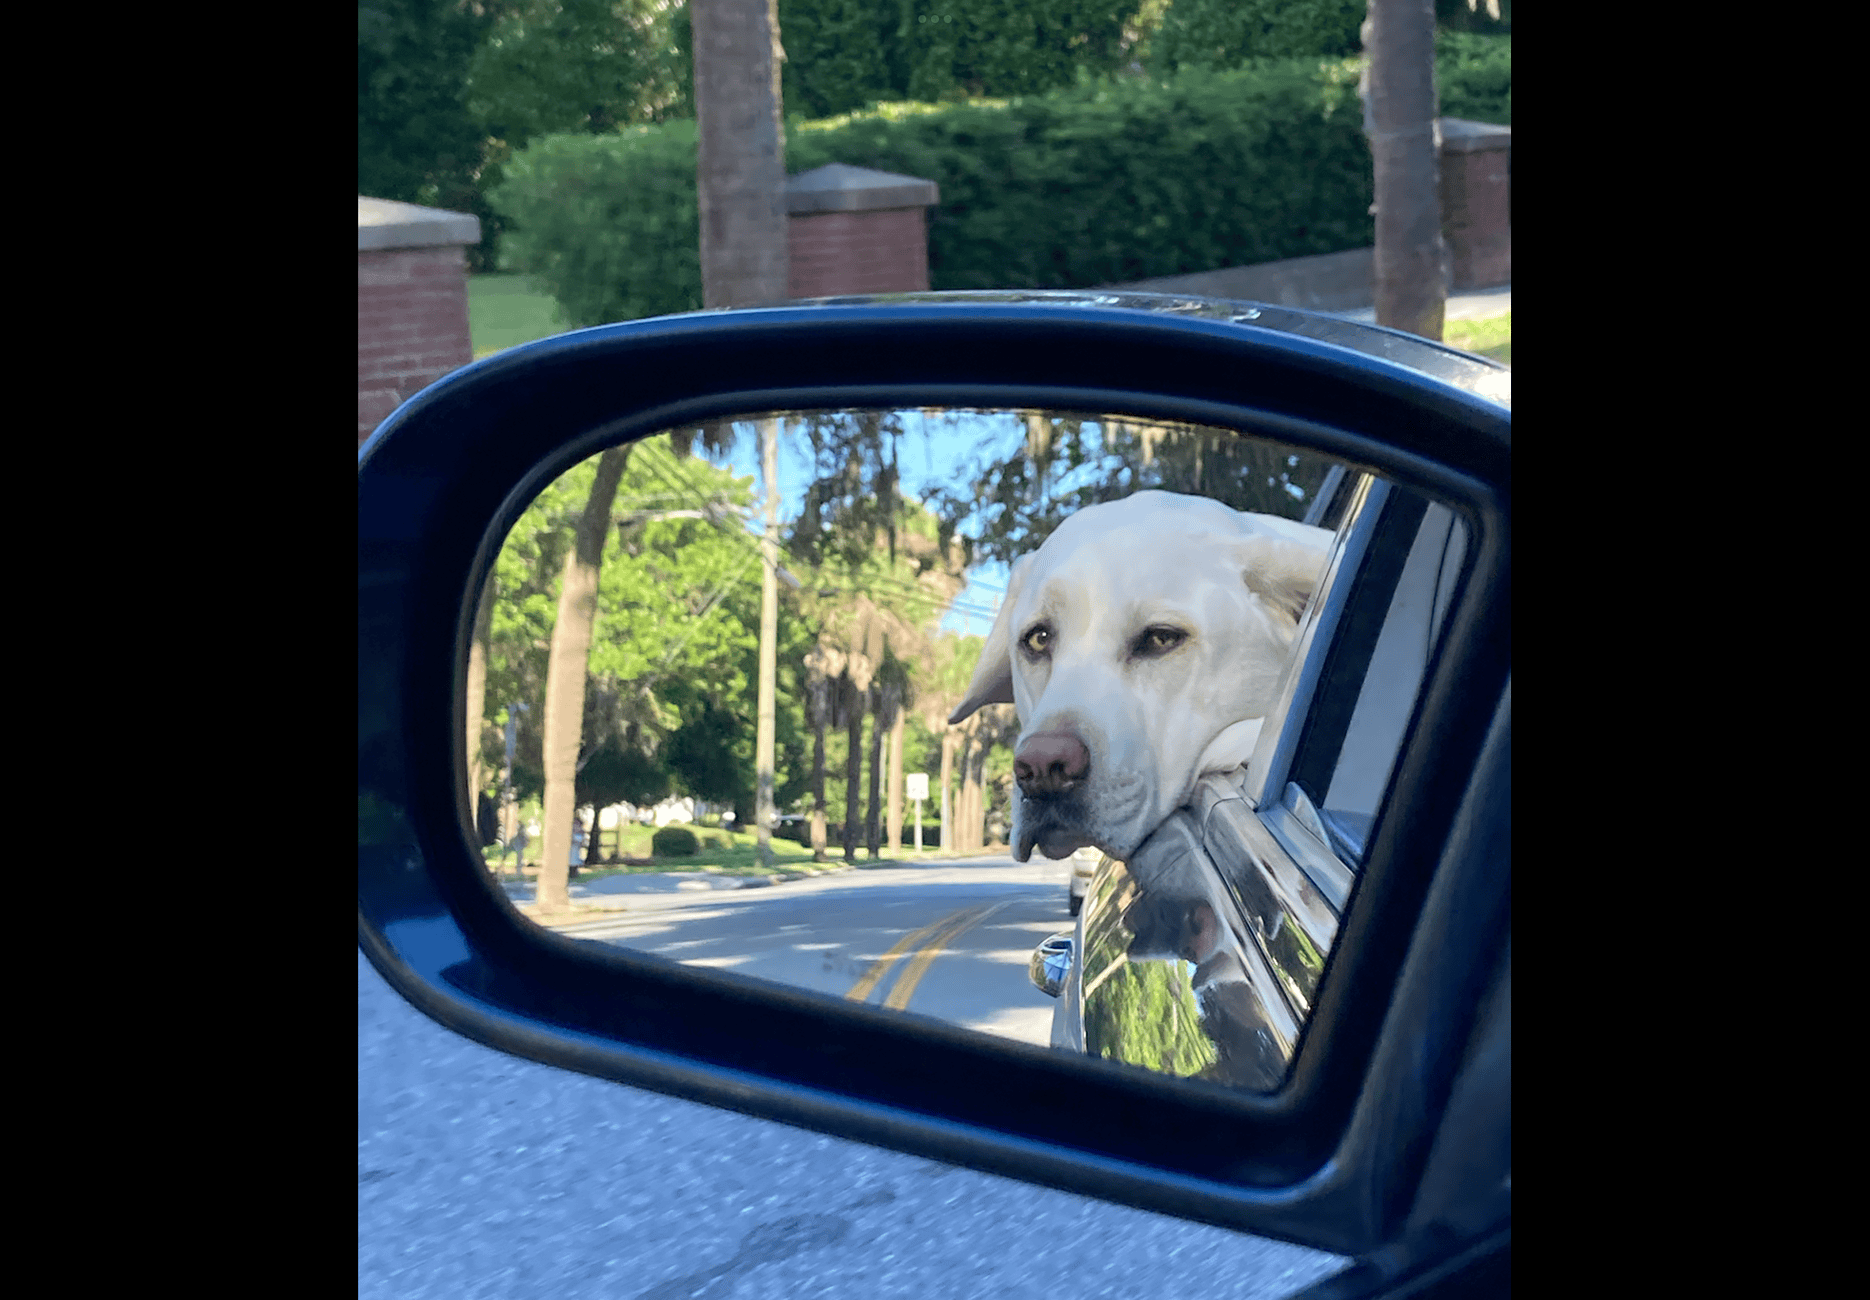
1400	110
565	678
741	151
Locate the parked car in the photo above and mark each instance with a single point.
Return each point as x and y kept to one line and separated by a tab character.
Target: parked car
1233	906
1328	932
1084	864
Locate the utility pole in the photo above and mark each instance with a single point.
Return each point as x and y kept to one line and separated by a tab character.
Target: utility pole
764	739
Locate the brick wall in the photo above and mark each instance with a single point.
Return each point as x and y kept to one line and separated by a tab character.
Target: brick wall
1476	216
412	326
837	253
1476	201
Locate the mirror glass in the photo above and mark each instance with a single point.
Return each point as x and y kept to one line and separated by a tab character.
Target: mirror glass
1061	725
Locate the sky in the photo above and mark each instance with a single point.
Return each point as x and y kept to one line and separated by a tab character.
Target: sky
930	453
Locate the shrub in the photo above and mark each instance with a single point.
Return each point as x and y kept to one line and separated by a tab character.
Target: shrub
1228	33
609	225
1126	180
1474	75
1096	185
674	842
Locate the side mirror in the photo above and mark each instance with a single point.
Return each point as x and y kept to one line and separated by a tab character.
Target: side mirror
1051	963
1381	1129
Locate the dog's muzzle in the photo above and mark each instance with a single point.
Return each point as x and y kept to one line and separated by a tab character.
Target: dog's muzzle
1051	763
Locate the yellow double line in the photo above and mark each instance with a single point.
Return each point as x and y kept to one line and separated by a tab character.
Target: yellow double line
937	935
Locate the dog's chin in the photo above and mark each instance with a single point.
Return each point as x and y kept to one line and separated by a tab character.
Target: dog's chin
1060	827
1055	830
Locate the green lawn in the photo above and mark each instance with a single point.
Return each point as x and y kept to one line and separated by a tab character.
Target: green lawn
727	852
503	313
1492	337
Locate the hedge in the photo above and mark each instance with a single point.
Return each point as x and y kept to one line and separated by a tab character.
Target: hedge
1474	75
1121	181
1101	184
674	842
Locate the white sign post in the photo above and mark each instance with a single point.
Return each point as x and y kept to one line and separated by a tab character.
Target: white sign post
918	790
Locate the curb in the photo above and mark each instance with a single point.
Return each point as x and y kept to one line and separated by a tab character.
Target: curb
585	912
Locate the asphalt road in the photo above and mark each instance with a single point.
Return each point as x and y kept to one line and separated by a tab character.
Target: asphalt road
481	1175
943	939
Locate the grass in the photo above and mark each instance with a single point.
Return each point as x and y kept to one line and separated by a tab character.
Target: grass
504	313
727	852
1492	337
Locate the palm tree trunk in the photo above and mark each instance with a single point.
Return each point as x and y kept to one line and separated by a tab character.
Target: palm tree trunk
741	151
853	773
896	782
969	833
564	683
818	787
948	740
872	831
1400	118
477	698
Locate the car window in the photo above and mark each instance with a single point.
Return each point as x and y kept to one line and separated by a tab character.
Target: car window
1376	668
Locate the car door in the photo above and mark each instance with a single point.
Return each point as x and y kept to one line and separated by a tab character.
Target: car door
1389	1132
1202	956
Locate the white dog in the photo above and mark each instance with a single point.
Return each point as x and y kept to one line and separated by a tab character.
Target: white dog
1141	645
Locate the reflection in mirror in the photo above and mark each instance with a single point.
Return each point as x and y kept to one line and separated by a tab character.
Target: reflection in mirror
884	731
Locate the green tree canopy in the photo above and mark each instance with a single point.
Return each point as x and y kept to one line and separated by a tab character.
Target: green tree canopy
1006	502
417	141
590	66
675	644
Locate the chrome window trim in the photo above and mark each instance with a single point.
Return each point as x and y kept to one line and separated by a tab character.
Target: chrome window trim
1278	742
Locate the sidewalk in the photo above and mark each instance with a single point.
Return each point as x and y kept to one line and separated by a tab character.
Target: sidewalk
611	894
1479	305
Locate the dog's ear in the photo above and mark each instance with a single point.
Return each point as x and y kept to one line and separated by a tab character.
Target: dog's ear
993	675
1282	573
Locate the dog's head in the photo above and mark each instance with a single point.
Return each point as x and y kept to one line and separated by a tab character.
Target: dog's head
1141	646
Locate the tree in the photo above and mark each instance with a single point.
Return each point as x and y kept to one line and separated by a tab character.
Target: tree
741	184
954	659
673	652
565	678
1487	17
1228	33
858	671
547	67
1401	120
1012	501
477	691
823	667
417	140
880	582
740	152
678	650
587	66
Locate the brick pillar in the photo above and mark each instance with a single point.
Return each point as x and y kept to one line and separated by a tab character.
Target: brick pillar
856	231
1477	215
412	321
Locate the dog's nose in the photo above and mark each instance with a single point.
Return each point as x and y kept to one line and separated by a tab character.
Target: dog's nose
1051	762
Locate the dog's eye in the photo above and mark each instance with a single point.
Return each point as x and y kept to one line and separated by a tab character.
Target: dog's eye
1159	640
1037	641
